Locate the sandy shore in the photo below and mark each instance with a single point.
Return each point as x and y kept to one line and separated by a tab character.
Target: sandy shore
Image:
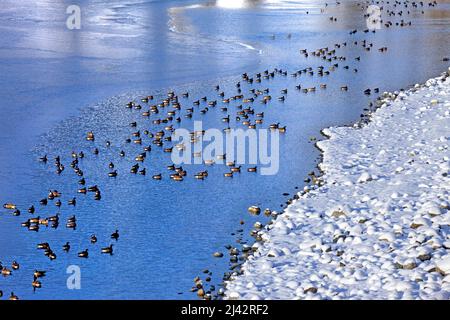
379	228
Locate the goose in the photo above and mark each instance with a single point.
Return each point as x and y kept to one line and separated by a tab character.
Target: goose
274	126
31	209
72	202
71	225
35	220
66	247
115	235
6	272
113	174
10	206
83	254
54	218
93	239
176	177
15	265
200	176
157	176
36	283
34	228
108	250
13	297
43	222
236	169
90	136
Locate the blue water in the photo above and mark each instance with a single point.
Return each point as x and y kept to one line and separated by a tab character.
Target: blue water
57	84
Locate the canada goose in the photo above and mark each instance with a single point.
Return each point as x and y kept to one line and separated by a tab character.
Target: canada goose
6	272
26	224
108	250
254	210
71	225
15	265
228	174
252	169
66	247
236	169
43	159
157	176
90	136
274	126
93	239
83	254
33	228
282	129
176	177
13	297
10	206
201	175
31	209
72	202
115	235
35	220
16	213
140	158
36	283
43	222
113	174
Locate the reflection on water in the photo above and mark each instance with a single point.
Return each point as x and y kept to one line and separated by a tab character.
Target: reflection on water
169	231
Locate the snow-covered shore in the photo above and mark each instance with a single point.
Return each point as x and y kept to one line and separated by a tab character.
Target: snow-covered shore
379	228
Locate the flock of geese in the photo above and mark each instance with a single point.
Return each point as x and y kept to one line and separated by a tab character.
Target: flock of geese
246	107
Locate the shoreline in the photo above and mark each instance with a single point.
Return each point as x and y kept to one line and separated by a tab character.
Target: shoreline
353	244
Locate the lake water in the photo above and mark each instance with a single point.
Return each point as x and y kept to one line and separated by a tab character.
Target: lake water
57	84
